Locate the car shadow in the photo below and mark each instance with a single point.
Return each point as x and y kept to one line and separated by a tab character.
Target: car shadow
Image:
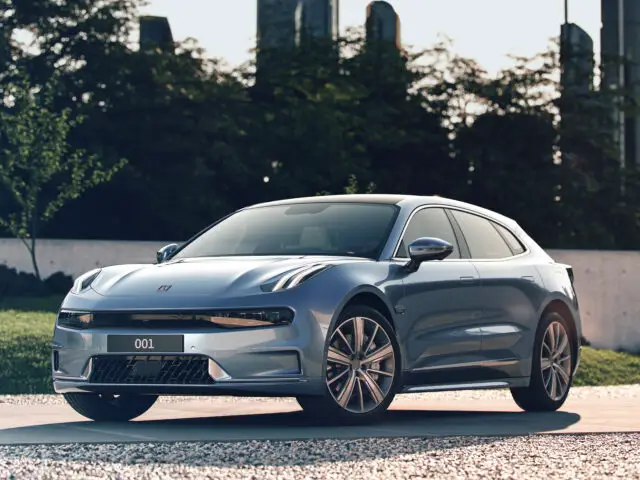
296	426
413	422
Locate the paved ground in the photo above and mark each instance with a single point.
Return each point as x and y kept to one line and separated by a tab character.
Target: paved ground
213	419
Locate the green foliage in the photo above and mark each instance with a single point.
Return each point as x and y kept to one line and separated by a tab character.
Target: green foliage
26	329
605	367
39	171
21	284
354	188
34	304
25	351
203	140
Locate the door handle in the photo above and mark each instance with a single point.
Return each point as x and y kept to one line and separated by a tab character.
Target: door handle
529	279
468	279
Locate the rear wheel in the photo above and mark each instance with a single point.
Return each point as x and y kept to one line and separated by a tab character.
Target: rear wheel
552	367
361	371
110	408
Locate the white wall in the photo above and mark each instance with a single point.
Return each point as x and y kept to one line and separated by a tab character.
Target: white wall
607	286
74	257
606	282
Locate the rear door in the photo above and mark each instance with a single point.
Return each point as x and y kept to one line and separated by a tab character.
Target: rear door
440	329
511	292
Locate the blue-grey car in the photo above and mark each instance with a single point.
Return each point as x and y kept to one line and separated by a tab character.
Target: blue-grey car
340	301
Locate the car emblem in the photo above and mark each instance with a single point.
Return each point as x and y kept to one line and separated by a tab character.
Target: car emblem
164	288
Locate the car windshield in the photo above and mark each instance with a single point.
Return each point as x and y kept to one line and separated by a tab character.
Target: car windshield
318	228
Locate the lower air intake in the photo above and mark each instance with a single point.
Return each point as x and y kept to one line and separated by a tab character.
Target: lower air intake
151	370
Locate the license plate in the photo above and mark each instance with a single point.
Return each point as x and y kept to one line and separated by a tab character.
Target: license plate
145	343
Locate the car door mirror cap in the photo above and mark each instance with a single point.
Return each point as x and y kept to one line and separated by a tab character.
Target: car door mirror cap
427	249
165	252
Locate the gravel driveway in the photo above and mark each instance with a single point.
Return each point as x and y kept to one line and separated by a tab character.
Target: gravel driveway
538	456
535	457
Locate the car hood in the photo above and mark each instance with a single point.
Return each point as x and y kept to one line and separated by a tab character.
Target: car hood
219	276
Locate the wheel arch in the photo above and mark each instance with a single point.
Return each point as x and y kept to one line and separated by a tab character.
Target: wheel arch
369	299
366	295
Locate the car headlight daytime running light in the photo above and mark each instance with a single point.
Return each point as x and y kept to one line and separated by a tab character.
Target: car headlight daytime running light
271	317
75	320
84	281
229	319
295	277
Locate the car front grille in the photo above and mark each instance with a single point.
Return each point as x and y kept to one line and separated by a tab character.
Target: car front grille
151	370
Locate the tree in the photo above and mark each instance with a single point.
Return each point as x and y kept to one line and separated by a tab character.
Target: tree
180	123
202	141
511	163
39	171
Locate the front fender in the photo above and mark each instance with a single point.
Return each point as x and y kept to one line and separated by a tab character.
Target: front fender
331	291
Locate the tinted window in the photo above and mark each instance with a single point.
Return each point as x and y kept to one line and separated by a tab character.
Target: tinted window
511	239
484	241
354	229
429	222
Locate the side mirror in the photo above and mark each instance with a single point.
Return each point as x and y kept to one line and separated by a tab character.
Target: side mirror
426	249
165	252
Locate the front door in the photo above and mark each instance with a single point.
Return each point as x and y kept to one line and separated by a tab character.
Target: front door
440	327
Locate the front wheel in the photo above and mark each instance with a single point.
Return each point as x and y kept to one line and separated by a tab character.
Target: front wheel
361	370
110	408
552	367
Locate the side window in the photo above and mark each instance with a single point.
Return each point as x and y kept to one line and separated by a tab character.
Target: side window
429	222
483	239
516	246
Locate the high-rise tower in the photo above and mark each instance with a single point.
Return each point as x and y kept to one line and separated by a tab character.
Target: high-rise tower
317	19
276	24
577	60
155	32
620	37
383	23
287	24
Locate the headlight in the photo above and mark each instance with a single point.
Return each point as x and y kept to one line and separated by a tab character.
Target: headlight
76	320
294	278
84	281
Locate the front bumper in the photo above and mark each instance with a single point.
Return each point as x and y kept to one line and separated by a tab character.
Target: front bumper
271	388
273	361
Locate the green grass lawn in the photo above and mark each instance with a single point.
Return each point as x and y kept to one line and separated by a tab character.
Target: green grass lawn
26	329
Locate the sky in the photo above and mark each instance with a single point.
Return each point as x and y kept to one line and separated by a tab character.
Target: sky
485	30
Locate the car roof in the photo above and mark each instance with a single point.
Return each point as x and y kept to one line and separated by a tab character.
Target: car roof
404	201
389	199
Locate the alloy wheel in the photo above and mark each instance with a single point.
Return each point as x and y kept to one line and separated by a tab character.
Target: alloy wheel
555	361
361	365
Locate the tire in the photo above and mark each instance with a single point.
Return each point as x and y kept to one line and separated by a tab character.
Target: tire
366	402
539	396
110	408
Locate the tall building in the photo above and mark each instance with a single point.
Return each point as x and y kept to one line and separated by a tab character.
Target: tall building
287	24
155	32
577	59
317	19
383	23
576	106
276	24
620	38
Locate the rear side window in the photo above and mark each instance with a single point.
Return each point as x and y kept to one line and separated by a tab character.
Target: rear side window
516	246
483	239
429	222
